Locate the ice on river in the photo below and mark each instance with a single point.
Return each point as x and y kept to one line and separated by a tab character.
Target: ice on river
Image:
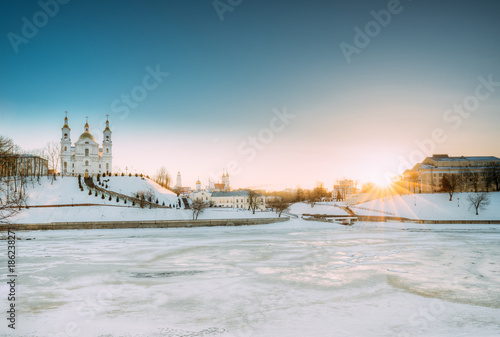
298	278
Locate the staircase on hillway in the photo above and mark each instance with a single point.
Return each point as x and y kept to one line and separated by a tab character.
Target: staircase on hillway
89	181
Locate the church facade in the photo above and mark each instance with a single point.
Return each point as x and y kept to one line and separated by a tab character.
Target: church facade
86	157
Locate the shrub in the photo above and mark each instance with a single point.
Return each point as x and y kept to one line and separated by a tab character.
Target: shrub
163	203
96	193
124	201
90	191
136	175
102	196
130	174
117	199
156	200
123	174
110	197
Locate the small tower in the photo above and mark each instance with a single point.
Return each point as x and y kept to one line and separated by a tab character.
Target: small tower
65	145
198	185
225	181
107	145
178	184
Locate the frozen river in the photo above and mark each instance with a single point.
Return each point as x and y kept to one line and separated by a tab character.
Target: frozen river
297	278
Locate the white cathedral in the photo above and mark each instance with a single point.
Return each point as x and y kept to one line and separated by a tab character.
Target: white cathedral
85	158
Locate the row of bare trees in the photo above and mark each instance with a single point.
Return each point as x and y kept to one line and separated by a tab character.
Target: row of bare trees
12	187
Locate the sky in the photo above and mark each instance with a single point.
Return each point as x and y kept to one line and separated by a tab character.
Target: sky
278	93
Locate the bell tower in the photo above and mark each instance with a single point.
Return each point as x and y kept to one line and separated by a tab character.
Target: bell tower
65	145
107	146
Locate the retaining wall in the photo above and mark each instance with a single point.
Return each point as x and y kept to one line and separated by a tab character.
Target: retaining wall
142	224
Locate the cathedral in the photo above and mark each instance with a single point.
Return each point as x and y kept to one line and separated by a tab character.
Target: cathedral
85	157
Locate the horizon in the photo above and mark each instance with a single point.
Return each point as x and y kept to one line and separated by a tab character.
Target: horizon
190	87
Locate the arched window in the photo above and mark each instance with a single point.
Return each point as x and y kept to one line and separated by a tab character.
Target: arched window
107	138
65	148
65	166
107	166
65	136
86	152
86	163
107	150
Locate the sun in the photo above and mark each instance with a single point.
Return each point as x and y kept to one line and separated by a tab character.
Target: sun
381	182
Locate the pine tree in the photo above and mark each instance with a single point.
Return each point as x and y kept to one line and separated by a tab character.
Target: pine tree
90	191
102	196
117	199
96	193
110	197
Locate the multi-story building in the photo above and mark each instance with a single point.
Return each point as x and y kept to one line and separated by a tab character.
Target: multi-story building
23	164
426	177
234	199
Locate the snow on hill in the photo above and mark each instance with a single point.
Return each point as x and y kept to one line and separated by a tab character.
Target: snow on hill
319	208
62	191
131	185
430	207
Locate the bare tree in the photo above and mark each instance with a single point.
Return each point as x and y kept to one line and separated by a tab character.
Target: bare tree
491	176
466	176
52	152
479	201
144	197
279	206
300	194
474	180
162	177
12	183
450	183
319	192
198	206
255	200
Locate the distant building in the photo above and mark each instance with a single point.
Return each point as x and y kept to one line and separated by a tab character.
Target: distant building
234	199
223	186
23	164
85	158
343	188
426	177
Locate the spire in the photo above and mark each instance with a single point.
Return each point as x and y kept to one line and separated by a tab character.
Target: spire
87	124
107	124
66	125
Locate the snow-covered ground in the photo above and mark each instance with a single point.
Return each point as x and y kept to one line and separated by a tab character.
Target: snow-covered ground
298	278
130	185
64	190
300	208
109	213
430	207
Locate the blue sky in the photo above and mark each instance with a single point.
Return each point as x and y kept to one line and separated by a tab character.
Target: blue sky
225	78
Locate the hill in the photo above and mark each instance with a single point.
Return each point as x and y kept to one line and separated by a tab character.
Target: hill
430	207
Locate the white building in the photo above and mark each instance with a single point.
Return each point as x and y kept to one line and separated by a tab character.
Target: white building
234	199
85	157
